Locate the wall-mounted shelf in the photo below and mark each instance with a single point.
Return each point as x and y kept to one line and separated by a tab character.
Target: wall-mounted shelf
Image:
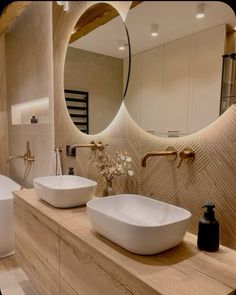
22	113
77	105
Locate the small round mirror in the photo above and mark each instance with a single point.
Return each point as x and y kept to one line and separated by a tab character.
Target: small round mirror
95	79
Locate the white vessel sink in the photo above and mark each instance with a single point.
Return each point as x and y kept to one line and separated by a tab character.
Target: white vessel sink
65	191
138	224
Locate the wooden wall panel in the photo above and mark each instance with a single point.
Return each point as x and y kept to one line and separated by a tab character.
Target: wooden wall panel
211	177
3	111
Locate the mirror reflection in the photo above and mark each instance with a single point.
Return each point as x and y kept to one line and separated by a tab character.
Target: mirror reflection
175	86
94	79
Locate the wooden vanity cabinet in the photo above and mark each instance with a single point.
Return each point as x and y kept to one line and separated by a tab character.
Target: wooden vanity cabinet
62	255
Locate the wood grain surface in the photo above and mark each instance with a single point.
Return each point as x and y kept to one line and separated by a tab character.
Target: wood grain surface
91	264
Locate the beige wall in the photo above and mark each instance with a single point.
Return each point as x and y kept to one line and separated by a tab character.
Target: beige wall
3	111
101	76
29	63
210	177
29	77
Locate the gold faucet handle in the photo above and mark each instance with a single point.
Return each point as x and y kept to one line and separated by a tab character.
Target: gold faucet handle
186	153
98	145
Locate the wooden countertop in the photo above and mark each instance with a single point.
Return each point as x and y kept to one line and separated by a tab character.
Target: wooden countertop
181	270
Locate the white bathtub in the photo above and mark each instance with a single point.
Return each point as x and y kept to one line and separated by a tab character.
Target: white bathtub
6	215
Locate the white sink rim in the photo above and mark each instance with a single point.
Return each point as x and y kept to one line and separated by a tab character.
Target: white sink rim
139	238
65	191
93	201
40	181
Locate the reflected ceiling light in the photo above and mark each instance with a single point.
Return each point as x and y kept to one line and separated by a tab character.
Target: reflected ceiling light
65	4
154	30
121	45
200	12
234	28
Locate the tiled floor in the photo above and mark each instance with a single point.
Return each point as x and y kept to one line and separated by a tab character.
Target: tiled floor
13	281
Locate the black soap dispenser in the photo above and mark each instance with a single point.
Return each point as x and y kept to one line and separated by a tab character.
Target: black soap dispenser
208	230
71	171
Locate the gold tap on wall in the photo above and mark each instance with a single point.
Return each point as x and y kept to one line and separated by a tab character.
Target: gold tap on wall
170	152
28	156
93	145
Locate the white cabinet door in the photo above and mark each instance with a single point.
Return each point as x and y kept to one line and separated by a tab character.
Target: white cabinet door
206	72
176	84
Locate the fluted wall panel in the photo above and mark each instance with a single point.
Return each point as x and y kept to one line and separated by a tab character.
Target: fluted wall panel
210	177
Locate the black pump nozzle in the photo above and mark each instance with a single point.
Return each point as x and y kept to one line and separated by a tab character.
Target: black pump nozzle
209	213
209	206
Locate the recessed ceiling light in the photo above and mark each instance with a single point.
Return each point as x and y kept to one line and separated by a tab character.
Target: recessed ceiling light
154	30
200	12
65	4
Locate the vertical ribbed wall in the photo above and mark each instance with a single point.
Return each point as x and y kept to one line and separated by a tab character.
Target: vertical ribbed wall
212	175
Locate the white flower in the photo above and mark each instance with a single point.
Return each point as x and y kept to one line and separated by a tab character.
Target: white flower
109	166
128	159
130	172
122	157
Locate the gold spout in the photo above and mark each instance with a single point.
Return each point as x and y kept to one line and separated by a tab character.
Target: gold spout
28	156
170	152
15	157
93	145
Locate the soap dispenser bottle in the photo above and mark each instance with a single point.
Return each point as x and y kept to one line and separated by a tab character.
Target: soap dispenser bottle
71	171
208	230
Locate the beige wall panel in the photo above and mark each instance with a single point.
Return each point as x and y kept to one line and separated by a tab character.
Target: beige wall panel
29	74
3	111
65	289
186	186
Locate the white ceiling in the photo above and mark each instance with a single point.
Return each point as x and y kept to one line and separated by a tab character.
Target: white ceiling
175	20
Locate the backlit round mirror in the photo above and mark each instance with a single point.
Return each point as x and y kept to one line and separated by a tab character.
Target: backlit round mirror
176	86
94	78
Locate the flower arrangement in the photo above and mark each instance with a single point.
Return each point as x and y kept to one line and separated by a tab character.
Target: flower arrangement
110	166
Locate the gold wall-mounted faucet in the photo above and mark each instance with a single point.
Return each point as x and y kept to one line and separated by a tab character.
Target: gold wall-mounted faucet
28	156
93	145
170	152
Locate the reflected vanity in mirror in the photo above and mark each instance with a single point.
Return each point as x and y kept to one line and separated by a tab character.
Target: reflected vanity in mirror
176	74
94	80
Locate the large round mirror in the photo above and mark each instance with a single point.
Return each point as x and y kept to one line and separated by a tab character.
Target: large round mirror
94	77
176	85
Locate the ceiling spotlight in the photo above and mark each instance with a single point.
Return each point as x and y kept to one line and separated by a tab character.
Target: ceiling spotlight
200	12
154	30
121	45
65	4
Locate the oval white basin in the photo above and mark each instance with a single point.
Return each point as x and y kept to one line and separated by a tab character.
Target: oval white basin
137	223
65	191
